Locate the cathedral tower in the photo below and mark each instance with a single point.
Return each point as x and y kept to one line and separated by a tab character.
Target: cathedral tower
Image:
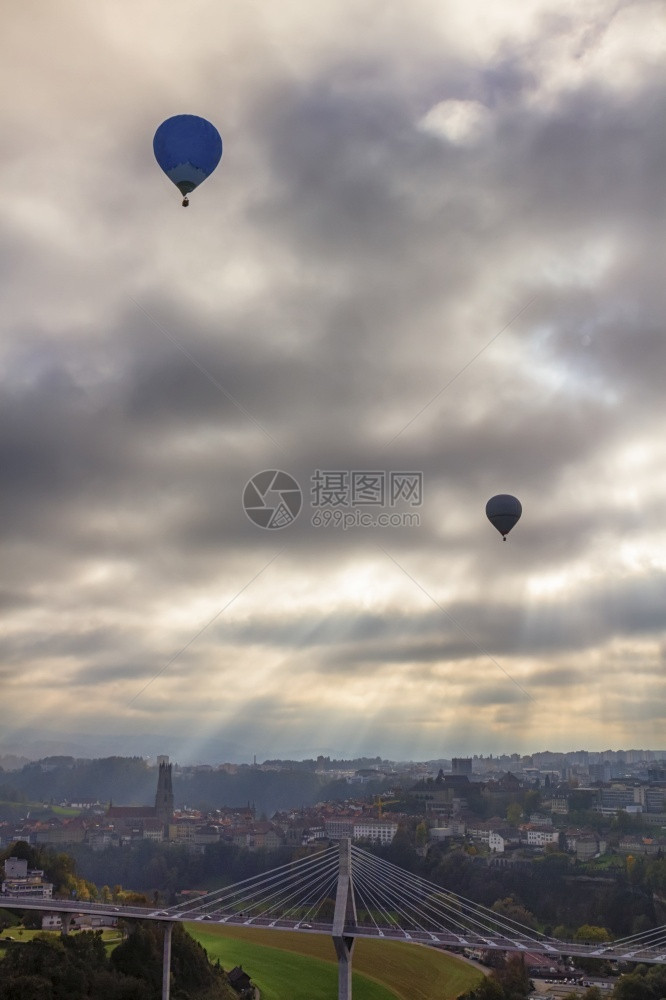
164	794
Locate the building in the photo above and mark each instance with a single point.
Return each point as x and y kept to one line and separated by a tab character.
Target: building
240	982
635	845
146	821
381	831
445	793
626	798
499	840
182	830
73	831
589	846
480	830
461	765
338	827
28	883
541	836
540	819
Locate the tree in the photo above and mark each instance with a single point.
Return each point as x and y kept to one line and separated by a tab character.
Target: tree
589	932
641	923
488	989
591	993
514	978
633	987
421	835
8	919
514	813
22	850
140	956
508	981
532	800
76	967
514	910
26	988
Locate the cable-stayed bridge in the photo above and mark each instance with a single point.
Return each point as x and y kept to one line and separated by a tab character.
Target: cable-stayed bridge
346	893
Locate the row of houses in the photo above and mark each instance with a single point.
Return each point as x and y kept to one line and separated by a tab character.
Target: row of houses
196	832
499	837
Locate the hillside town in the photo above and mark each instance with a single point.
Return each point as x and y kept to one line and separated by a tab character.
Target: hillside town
570	846
506	810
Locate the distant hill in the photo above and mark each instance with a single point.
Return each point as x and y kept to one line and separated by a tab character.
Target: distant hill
10	762
133	781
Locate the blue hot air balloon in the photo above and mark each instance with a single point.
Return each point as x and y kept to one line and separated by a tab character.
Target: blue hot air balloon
503	511
188	149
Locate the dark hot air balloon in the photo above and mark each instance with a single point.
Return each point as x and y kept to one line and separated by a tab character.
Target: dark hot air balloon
188	149
503	511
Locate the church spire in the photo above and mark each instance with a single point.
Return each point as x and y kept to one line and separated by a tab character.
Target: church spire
164	794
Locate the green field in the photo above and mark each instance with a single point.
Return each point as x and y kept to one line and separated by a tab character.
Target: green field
22	934
292	966
65	811
110	937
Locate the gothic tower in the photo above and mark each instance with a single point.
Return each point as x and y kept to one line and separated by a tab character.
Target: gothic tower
164	794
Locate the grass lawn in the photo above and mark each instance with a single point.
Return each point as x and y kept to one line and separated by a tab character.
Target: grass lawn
110	936
287	966
618	861
112	941
20	934
66	811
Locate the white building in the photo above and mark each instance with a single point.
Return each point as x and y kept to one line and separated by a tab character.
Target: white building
496	842
21	881
541	837
380	830
499	840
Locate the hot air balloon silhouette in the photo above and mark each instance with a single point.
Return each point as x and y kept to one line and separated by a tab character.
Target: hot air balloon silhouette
503	511
188	149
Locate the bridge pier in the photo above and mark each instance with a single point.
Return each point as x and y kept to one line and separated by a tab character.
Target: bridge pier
344	947
166	961
345	914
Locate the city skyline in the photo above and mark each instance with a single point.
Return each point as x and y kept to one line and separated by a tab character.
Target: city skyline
86	746
428	270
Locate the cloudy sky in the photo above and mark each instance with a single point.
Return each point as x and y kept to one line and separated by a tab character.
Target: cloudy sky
435	245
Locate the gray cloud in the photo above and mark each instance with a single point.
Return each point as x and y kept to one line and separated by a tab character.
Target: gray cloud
355	288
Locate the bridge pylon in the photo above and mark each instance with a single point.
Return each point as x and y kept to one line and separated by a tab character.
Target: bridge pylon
166	961
344	916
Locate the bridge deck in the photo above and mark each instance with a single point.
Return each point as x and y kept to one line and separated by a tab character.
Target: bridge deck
432	938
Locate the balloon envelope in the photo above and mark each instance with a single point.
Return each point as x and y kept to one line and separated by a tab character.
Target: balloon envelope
188	149
503	511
